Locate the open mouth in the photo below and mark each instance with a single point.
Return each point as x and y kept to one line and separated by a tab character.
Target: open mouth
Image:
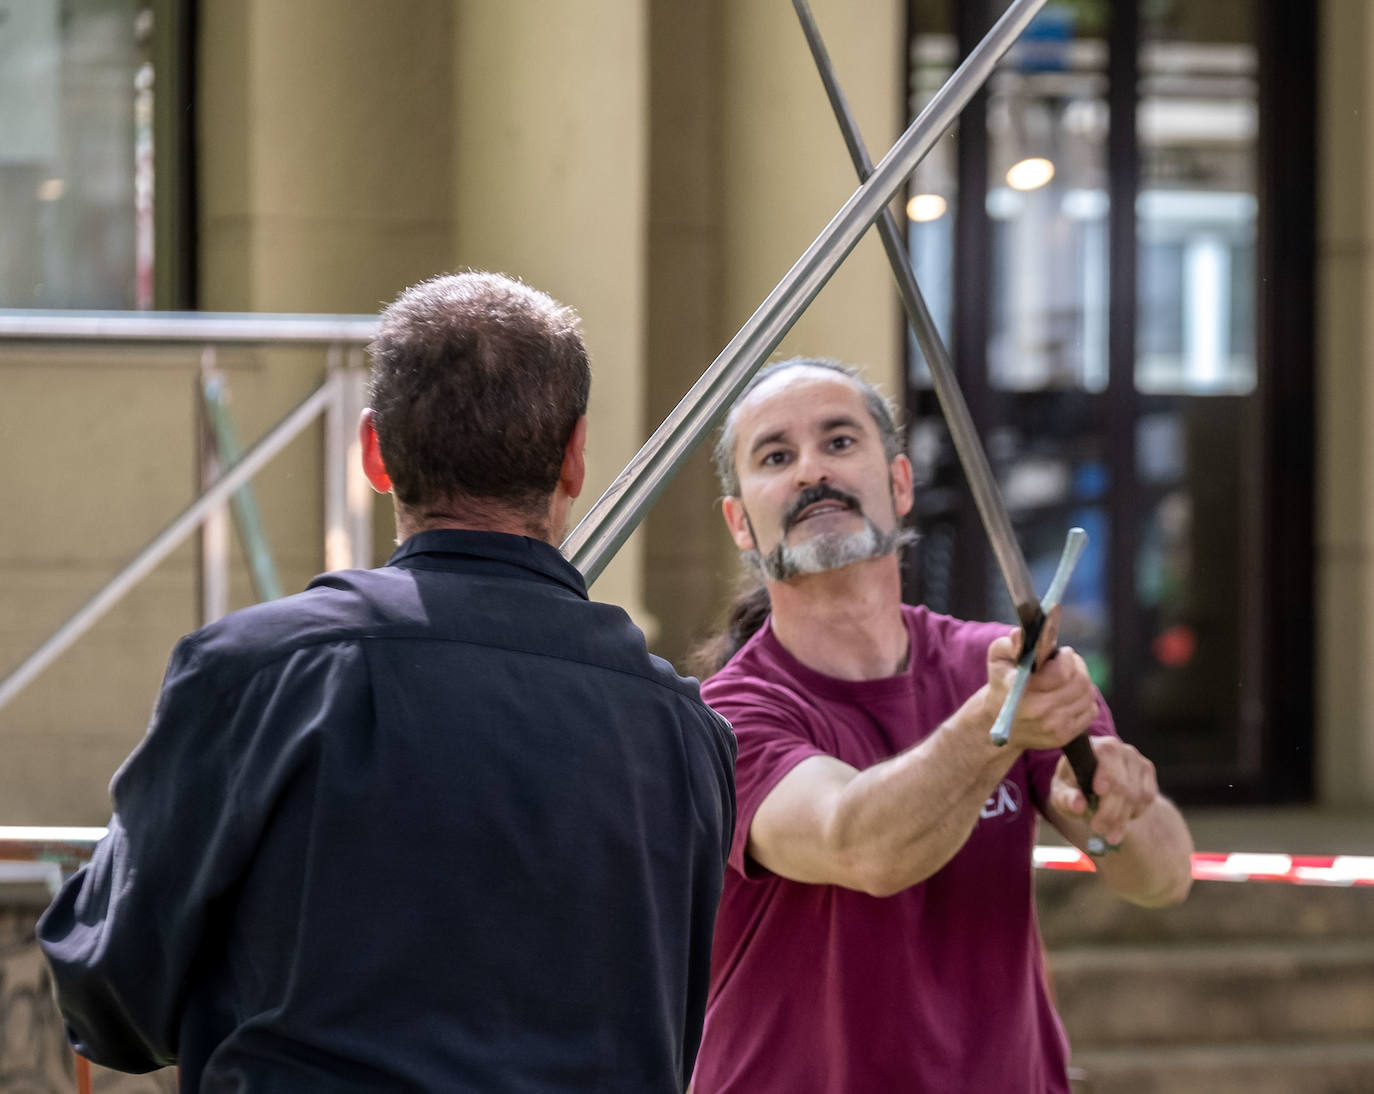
819	501
820	509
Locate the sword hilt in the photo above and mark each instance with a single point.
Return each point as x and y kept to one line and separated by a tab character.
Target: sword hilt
1080	750
1076	540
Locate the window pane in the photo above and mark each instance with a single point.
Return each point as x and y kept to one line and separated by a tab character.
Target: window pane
1198	123
1047	201
933	188
75	101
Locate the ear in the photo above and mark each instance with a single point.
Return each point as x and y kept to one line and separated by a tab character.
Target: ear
373	467
903	495
573	474
737	520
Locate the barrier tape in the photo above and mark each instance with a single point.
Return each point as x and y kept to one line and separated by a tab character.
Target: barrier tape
69	847
1343	870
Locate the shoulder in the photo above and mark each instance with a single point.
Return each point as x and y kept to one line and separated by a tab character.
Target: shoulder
944	641
335	607
753	693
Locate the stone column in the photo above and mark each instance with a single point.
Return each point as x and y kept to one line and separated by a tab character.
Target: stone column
325	169
550	177
785	170
1345	408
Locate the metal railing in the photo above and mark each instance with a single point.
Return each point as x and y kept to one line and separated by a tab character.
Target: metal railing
339	399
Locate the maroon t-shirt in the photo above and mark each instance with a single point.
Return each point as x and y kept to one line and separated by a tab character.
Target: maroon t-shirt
940	988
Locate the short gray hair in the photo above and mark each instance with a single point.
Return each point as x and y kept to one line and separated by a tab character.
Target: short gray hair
880	409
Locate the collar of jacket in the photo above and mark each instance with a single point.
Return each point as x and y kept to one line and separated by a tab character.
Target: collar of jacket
530	554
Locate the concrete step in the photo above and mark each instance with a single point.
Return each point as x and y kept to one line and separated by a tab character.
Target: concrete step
1211	993
1076	908
1242	1068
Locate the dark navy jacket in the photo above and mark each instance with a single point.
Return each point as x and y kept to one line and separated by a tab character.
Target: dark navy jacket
441	826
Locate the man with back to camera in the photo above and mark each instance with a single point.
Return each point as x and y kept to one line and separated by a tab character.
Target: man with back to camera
440	826
877	928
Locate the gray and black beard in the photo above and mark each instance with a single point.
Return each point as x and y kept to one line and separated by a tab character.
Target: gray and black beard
827	550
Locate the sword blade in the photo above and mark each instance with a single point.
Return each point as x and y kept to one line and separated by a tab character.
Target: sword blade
987	496
613	516
992	508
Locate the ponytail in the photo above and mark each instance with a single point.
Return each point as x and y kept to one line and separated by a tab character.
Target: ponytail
746	615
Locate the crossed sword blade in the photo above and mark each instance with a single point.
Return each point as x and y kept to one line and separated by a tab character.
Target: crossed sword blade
615	515
1031	611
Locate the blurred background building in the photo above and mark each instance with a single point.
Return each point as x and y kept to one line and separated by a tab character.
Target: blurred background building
1147	244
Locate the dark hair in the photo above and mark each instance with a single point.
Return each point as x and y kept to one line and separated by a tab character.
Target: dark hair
881	411
746	615
477	383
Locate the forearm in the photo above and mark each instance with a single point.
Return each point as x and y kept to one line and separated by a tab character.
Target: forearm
899	821
99	988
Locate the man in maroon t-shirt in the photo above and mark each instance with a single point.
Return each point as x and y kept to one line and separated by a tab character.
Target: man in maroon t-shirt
877	929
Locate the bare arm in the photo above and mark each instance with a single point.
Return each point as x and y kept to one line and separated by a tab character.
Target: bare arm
896	823
1153	865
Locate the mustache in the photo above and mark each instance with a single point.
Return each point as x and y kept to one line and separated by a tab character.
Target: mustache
811	495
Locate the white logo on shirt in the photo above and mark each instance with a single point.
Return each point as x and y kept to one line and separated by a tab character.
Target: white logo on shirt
1005	802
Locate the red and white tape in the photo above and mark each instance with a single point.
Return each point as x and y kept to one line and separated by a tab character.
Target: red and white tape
70	846
1243	866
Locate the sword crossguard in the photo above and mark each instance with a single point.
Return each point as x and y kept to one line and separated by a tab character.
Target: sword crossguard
1073	549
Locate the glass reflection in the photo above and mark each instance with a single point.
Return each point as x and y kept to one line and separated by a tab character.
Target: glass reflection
1047	123
1197	122
933	188
68	211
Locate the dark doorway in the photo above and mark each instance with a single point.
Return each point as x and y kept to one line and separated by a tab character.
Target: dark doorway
1121	263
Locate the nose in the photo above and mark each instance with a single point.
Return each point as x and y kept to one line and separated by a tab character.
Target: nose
810	467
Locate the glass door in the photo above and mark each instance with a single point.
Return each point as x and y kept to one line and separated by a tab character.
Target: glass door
1090	242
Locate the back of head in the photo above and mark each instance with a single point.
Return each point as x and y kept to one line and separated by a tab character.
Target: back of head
477	383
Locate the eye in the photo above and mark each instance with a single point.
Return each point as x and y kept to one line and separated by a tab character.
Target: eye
840	442
777	457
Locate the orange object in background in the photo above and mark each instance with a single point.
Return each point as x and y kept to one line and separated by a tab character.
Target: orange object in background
1174	647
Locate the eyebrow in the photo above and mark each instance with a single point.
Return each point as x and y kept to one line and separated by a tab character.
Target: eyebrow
841	421
777	436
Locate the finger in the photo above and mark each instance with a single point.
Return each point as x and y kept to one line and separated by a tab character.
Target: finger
1067	669
1061	713
1115	810
1056	711
1066	796
1080	717
1052	675
1005	649
1144	786
1067	799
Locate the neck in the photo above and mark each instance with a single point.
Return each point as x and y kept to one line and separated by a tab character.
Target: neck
469	518
847	622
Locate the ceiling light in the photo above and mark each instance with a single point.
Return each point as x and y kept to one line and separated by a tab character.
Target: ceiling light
1030	174
926	207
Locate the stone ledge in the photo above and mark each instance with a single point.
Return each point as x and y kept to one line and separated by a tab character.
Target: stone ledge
1241	1068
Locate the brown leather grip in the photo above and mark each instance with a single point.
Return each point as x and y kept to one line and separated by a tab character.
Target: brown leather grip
1084	764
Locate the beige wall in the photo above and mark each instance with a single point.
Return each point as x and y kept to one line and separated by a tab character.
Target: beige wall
1345	409
658	166
345	150
551	178
785	171
325	185
99	459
